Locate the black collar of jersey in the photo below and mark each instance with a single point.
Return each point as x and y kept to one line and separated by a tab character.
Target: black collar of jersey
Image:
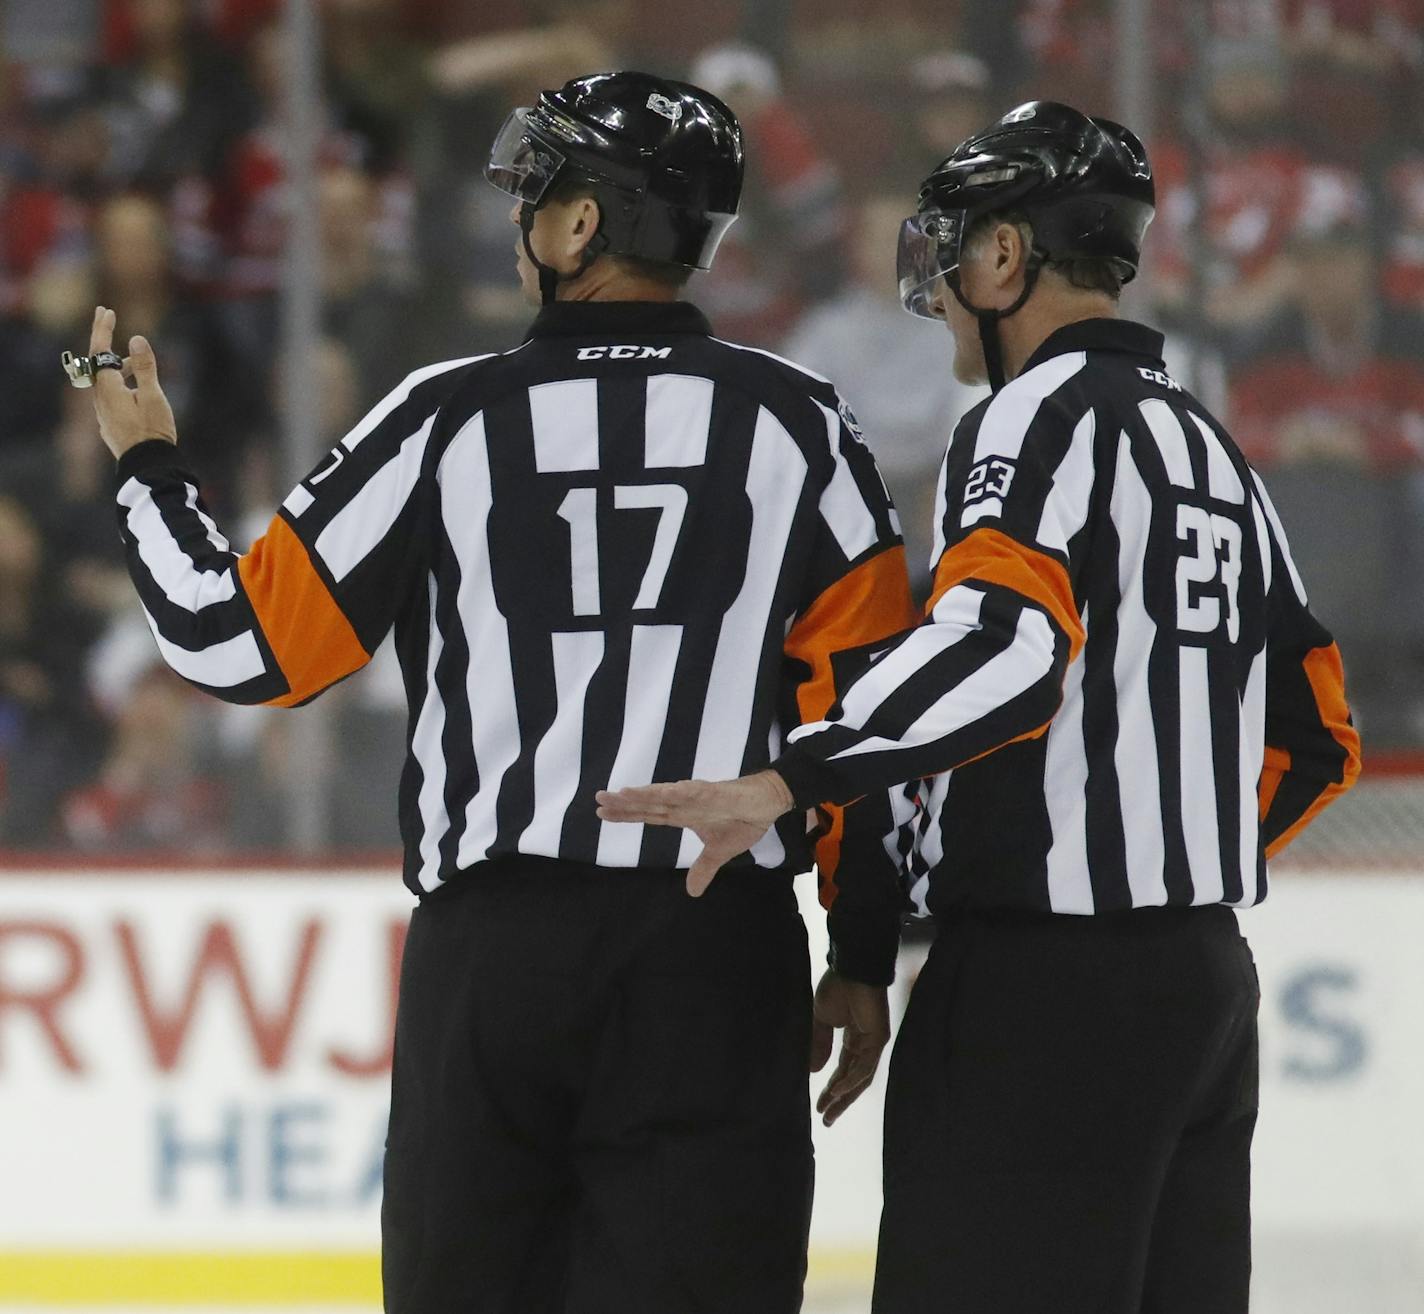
595	319
1099	335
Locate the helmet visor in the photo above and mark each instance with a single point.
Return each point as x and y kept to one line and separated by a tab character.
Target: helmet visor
522	164
929	249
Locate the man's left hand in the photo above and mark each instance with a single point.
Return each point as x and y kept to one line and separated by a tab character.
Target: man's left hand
728	816
862	1014
129	416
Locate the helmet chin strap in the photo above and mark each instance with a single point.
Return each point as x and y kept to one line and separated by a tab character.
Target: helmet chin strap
549	277
989	319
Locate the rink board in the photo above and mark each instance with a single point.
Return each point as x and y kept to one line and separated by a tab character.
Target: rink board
194	1069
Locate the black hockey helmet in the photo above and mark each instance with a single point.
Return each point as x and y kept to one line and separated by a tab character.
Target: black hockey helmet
663	159
1084	185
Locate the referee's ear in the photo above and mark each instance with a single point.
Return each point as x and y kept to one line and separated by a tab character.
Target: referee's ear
583	220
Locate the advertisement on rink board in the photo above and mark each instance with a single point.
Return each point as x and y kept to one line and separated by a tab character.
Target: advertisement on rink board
199	1063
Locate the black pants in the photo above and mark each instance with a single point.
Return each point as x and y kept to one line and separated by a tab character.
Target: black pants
600	1103
1069	1119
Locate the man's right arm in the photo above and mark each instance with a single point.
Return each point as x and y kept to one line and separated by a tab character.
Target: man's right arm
312	599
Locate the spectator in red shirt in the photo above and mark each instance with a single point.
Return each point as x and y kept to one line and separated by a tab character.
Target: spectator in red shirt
1403	278
1335	423
151	793
951	101
1230	204
175	101
788	246
1345	382
49	180
217	391
48	730
1351	59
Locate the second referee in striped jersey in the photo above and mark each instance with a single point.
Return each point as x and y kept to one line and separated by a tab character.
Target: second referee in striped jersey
1126	706
624	551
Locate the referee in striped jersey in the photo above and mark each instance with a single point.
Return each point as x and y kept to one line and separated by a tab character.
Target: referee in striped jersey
623	552
1124	707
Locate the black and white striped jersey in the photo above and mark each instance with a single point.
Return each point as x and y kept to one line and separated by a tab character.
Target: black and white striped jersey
1118	694
623	552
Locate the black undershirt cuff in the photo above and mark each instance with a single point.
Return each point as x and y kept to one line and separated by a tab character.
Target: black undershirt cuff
149	455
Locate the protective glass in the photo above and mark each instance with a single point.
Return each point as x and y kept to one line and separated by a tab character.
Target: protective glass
521	164
929	249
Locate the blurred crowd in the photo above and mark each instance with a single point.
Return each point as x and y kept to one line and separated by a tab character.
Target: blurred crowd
142	166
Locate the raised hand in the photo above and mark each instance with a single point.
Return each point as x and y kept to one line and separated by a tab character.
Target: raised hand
728	816
128	416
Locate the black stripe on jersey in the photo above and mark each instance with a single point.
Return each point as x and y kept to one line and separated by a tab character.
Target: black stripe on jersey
604	709
770	670
734	418
999	617
991	825
194	630
622	424
182	522
536	702
343	472
1225	701
869	484
395	566
1046	444
531	648
1164	672
412	642
1106	838
452	672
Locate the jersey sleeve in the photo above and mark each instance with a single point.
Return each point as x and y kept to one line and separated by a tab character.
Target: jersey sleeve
986	665
1312	753
312	599
859	603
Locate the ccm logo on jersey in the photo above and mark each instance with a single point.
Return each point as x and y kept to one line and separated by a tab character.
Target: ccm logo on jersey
624	353
1160	379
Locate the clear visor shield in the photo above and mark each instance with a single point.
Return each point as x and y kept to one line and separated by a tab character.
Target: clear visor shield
521	164
929	249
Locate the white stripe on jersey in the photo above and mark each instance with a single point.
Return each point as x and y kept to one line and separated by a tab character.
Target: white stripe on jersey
842	506
1200	824
1000	680
652	663
1263	542
678	418
298	501
1135	754
358	528
577	657
1065	512
769	851
565	418
1006	422
370	422
956	615
489	683
428	751
1065	785
1171	440
1223	483
220	665
1279	534
941	510
183	584
1252	729
775	474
